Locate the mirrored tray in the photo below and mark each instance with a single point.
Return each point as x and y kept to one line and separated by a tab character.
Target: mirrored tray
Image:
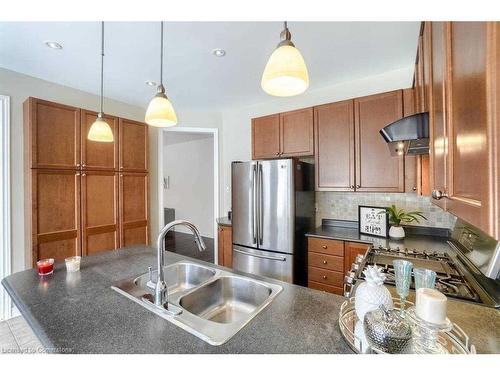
454	341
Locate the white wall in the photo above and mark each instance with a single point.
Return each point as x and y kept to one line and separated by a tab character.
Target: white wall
236	136
20	86
188	161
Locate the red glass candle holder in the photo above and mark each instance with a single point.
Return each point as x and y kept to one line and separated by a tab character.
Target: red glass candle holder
45	266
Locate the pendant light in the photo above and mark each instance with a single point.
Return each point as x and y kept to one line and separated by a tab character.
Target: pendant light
100	131
160	112
285	73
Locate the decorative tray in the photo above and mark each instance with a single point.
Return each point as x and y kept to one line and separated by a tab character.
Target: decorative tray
454	341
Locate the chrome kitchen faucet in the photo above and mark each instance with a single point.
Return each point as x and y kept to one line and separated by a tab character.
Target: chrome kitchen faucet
161	292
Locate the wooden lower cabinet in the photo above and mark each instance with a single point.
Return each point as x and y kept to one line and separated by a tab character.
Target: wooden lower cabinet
352	249
225	246
55	214
328	261
99	197
133	198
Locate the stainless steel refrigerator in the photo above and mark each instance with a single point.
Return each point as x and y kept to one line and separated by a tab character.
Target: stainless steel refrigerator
272	208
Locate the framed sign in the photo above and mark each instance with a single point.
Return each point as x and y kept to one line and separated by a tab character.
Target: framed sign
373	221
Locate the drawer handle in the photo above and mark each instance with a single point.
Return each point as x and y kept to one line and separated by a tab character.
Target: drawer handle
325	247
325	262
324	277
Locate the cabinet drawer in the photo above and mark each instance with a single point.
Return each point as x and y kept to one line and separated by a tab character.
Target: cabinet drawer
326	288
328	262
326	277
328	247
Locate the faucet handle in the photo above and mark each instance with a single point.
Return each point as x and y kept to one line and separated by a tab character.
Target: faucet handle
150	272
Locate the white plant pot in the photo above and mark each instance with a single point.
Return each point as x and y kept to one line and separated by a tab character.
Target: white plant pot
397	232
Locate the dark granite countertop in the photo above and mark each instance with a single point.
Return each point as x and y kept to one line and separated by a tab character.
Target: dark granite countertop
224	221
430	239
80	313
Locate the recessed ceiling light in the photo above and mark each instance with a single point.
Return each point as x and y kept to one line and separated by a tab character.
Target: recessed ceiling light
219	52
53	45
150	83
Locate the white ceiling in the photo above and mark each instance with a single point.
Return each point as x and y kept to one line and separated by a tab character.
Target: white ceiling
194	78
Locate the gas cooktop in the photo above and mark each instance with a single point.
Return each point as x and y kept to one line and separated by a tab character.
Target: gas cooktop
449	280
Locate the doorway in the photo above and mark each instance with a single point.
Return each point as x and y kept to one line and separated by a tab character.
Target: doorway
5	228
188	187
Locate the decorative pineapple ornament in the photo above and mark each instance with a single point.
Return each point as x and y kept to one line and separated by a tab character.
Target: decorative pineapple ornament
372	293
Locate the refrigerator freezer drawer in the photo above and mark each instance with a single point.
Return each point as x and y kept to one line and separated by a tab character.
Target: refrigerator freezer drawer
263	263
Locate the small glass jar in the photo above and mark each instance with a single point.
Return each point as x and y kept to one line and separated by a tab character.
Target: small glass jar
45	266
73	263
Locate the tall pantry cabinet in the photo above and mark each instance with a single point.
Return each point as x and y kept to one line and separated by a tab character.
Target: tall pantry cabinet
81	196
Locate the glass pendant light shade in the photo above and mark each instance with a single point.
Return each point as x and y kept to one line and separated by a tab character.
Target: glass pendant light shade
160	112
285	73
100	131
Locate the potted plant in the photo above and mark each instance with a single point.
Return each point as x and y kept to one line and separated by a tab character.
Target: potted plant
399	216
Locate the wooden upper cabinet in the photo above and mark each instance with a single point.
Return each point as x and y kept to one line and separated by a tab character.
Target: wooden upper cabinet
296	133
427	66
437	126
376	169
99	155
468	122
134	208
52	131
99	197
334	146
266	137
133	146
55	207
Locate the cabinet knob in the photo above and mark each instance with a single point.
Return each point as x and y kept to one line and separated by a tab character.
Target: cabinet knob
414	188
438	194
325	262
277	154
351	187
84	165
324	247
83	174
324	277
77	164
358	186
78	174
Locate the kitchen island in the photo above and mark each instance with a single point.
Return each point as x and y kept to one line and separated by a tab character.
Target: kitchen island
80	313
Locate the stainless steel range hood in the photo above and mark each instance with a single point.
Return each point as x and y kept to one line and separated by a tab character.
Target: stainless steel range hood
409	135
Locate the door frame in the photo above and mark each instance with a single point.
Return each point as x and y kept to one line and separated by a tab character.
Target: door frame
194	130
5	206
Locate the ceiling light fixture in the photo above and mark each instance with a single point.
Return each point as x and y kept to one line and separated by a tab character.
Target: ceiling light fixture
219	52
53	45
160	112
150	83
100	131
285	73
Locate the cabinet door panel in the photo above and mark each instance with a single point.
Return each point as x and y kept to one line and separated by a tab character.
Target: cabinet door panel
55	214
99	211
133	137
133	208
99	155
296	133
438	133
227	234
334	133
467	122
266	137
376	169
55	134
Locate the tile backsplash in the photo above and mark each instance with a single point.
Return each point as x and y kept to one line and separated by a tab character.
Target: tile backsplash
344	206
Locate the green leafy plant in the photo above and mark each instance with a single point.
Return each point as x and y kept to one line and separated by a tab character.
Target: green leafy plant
398	216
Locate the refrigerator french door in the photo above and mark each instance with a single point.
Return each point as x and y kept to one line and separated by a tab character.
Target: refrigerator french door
263	217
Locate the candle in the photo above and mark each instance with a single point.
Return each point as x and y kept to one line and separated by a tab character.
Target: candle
45	266
431	306
73	264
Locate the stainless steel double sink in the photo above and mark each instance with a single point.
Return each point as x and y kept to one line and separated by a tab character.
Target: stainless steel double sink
215	304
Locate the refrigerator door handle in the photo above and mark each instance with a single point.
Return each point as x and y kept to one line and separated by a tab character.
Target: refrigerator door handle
261	209
281	259
254	203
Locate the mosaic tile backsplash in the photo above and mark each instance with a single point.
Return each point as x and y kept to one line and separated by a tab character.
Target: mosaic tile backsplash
344	206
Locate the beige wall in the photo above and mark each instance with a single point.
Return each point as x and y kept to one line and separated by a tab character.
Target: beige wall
19	87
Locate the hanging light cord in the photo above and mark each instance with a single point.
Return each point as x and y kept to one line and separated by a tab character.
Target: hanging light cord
102	64
161	55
